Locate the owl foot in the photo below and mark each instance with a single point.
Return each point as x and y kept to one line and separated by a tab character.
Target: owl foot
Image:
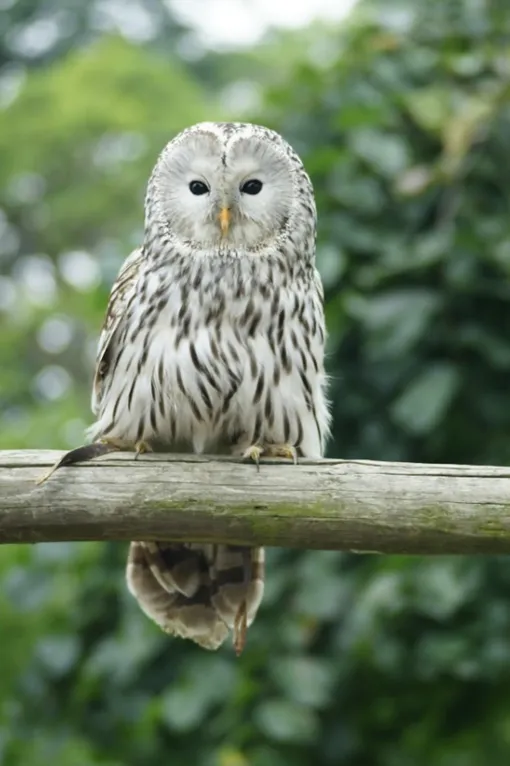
118	444
141	448
81	455
281	450
254	453
240	629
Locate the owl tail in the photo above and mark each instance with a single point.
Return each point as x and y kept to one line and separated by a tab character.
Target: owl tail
197	591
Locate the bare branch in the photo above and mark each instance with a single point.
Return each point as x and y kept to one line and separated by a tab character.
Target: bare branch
329	504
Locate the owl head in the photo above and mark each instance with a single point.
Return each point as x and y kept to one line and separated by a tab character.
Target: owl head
231	186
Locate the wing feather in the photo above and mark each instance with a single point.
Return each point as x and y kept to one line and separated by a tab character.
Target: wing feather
122	291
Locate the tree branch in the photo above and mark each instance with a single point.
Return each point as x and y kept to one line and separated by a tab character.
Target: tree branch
329	504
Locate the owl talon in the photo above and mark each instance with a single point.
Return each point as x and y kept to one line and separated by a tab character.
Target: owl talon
240	629
254	453
282	450
141	448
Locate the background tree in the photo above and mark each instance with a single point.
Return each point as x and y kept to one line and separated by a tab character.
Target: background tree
402	118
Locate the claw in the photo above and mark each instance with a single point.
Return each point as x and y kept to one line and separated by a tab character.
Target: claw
254	453
282	450
141	448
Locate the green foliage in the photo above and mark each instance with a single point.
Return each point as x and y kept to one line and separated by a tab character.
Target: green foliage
89	152
41	31
406	138
402	118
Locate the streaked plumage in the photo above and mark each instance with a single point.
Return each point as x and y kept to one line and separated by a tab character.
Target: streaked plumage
214	342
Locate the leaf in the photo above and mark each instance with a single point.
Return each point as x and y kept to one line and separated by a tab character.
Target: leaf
306	680
424	402
431	107
387	153
285	721
58	653
395	320
183	709
331	262
463	128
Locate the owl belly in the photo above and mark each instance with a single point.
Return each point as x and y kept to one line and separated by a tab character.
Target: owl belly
213	390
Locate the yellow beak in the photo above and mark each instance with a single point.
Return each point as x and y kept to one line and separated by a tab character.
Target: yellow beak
224	217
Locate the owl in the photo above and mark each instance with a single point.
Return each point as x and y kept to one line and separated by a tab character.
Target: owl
214	342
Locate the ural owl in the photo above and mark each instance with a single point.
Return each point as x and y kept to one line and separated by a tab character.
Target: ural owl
214	342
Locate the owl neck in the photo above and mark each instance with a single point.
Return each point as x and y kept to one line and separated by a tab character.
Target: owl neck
295	247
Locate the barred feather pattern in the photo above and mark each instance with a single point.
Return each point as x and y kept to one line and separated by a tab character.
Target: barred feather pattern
213	348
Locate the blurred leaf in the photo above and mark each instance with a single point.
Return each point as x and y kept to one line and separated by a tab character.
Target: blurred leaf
386	153
396	320
286	722
463	128
431	107
421	407
305	680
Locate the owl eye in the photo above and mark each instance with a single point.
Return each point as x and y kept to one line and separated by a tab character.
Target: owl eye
253	186
198	188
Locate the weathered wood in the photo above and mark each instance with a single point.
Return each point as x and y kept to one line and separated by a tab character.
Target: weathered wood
329	504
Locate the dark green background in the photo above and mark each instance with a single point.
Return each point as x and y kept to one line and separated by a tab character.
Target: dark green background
402	117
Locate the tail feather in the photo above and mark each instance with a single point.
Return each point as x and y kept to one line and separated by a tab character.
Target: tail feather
177	567
238	577
196	591
194	618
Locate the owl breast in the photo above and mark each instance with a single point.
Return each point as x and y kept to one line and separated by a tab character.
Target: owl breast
220	364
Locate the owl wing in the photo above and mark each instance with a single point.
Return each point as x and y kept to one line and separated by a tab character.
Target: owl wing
122	291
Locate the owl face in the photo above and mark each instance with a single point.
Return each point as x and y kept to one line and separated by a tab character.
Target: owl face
225	188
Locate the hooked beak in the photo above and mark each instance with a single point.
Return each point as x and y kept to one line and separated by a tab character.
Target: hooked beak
224	218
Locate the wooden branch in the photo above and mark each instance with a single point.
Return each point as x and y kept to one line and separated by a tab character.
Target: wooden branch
330	504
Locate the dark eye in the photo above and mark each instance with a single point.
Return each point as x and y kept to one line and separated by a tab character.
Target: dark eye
198	187
253	186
